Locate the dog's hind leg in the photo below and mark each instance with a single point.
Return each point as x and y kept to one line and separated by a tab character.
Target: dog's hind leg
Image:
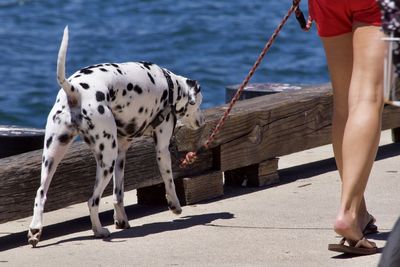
162	135
101	135
58	137
120	218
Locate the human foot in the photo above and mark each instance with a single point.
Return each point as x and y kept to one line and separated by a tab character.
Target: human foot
348	226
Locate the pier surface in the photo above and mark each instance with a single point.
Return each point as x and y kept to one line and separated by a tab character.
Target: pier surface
286	224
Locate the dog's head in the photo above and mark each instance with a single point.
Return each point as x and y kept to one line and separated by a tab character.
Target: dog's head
188	105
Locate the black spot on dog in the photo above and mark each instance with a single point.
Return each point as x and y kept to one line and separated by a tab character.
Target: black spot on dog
84	111
106	135
41	193
64	138
138	89
146	64
155	138
50	165
87	140
105	173
141	110
72	89
167	118
111	169
100	109
86	71
124	93
101	147
112	92
103	69
121	164
46	163
129	87
114	65
113	145
131	127
96	202
151	78
119	71
77	76
84	85
48	142
100	96
164	96
158	158
119	123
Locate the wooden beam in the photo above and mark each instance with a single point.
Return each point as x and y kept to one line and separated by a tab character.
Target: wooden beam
274	125
74	179
257	130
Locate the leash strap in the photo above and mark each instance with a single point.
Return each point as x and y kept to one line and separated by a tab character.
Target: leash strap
191	156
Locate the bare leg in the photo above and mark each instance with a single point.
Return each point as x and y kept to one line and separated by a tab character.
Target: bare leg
339	54
355	62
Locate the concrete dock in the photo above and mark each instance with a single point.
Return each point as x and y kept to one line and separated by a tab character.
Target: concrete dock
287	224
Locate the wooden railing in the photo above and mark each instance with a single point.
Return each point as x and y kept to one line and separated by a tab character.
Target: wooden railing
257	132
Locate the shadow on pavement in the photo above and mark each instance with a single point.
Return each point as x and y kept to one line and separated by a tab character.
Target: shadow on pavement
83	224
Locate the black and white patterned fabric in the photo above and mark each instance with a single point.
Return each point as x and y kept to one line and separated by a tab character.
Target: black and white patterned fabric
390	16
391	26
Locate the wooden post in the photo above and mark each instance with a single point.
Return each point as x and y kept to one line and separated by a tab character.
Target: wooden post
190	190
262	174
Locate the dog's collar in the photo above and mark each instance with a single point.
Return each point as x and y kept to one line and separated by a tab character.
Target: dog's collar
170	87
168	109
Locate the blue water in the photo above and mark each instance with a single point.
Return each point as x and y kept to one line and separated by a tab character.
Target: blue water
214	42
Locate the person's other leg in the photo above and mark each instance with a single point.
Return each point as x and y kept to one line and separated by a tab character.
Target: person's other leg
362	130
339	54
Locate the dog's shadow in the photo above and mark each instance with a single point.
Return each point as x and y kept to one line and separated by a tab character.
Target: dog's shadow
136	231
154	228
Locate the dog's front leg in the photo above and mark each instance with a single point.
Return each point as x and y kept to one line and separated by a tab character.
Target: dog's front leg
162	135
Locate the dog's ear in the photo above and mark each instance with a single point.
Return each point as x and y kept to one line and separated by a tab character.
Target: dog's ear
194	84
194	88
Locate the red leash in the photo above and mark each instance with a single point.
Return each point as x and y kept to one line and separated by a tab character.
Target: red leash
192	156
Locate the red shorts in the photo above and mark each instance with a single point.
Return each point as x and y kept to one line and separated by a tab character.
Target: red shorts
335	17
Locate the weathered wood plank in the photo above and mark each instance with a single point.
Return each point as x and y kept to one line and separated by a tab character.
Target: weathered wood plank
74	179
247	114
257	129
203	187
308	127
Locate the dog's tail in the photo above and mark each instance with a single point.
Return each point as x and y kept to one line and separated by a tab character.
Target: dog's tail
65	84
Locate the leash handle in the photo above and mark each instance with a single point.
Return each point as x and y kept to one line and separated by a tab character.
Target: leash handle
305	25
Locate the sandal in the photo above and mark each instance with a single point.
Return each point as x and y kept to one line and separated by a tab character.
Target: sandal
360	247
370	228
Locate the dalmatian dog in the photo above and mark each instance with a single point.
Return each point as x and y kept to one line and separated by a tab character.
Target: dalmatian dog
109	105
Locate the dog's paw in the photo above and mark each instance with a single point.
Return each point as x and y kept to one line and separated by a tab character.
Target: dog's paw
176	209
101	233
122	224
34	236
